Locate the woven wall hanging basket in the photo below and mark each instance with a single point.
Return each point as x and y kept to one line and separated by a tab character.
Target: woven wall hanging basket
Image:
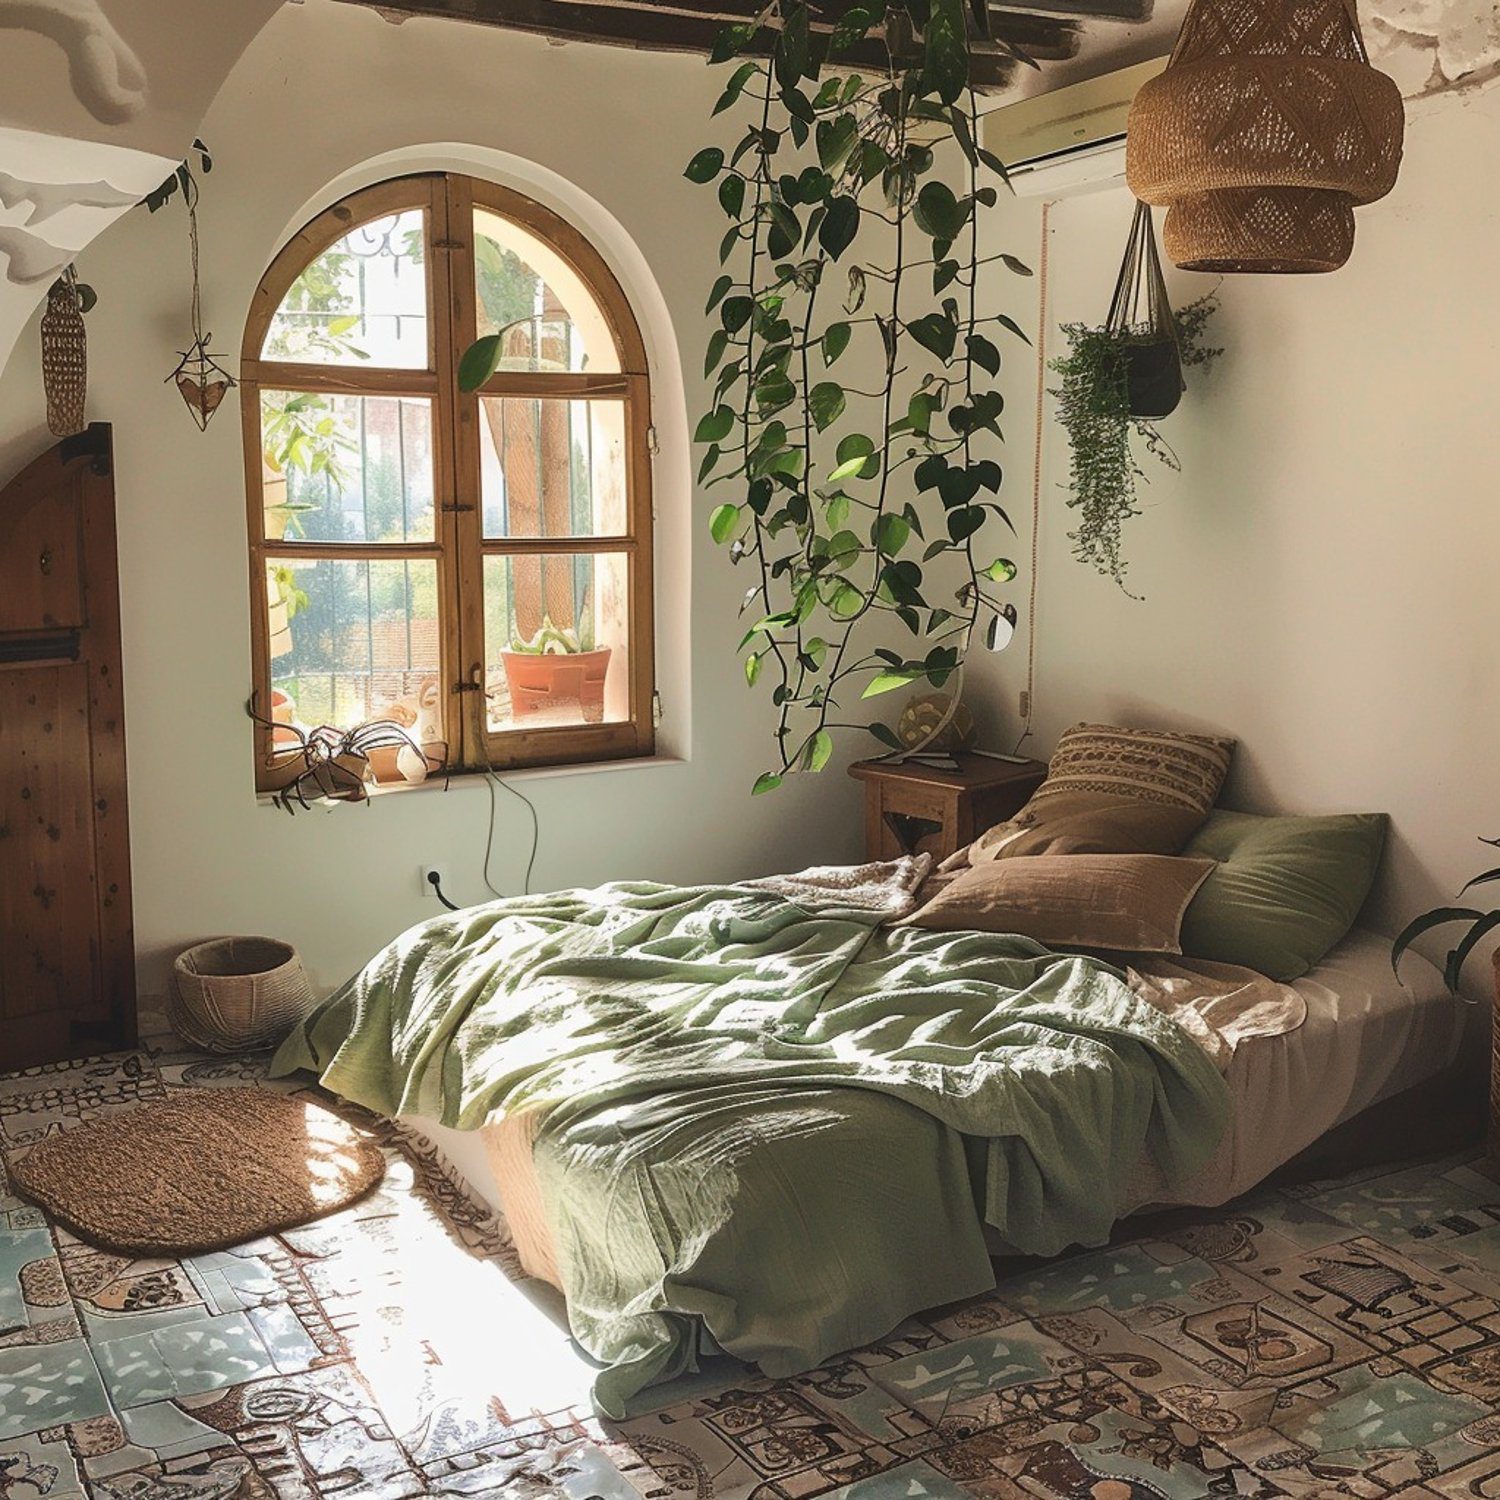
65	359
238	992
1265	131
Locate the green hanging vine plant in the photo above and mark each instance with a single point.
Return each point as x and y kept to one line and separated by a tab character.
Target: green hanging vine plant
856	511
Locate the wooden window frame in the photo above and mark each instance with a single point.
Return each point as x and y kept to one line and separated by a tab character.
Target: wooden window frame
459	547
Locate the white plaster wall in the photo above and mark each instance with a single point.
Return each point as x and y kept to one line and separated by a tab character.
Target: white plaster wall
1320	579
600	133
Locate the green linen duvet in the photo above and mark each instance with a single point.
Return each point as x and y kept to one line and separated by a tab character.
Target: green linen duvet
770	1128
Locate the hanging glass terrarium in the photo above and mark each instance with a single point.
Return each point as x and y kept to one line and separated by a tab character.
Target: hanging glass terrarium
200	380
1267	129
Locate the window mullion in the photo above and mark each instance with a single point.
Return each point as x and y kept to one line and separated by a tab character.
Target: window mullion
458	329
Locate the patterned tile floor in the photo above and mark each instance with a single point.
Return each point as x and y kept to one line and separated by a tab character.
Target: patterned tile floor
1335	1339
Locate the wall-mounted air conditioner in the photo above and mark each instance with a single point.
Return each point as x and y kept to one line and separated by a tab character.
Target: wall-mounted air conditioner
1071	140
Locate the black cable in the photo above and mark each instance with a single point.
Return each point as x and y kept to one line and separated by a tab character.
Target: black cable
436	882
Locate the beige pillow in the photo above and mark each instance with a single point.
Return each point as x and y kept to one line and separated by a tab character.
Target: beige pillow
1113	791
1126	902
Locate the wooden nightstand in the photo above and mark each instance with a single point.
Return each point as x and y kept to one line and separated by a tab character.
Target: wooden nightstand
910	807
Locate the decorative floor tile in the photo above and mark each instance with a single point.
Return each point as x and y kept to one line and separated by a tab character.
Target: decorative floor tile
1340	1339
42	1386
183	1359
39	1465
27	1261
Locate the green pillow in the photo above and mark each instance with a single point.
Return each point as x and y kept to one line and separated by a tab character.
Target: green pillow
1285	890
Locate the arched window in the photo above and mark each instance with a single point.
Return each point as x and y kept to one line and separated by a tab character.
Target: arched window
476	566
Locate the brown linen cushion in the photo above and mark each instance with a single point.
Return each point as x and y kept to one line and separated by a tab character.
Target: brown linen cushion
1114	791
1130	903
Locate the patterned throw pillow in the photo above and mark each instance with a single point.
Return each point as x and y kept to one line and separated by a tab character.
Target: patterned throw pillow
1113	791
1145	765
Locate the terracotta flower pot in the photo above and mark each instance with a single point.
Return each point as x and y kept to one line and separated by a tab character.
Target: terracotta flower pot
553	681
283	710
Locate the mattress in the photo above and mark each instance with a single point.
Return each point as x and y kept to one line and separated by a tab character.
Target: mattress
1365	1037
1362	1036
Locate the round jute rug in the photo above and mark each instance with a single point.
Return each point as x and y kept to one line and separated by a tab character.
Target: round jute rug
200	1170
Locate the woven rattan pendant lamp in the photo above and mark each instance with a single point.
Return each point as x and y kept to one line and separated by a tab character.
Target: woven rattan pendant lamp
1266	129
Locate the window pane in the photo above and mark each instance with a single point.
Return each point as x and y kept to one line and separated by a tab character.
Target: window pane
355	640
347	468
550	319
557	647
363	301
552	468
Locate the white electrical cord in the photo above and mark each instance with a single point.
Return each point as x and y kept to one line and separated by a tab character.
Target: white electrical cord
1029	695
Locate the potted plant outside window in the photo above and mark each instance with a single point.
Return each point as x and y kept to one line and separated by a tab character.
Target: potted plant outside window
555	668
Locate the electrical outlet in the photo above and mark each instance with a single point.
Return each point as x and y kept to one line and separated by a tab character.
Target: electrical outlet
426	874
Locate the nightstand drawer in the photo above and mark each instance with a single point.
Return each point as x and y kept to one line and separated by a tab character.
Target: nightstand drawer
911	808
912	819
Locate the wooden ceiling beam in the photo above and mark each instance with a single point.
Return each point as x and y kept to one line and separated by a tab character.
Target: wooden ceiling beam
692	25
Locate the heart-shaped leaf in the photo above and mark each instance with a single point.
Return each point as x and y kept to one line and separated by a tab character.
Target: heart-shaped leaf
732	195
724	522
736	85
705	166
938	213
480	360
819	750
825	404
840	225
936	333
714	426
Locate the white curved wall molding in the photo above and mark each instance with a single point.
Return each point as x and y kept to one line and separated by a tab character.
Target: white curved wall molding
76	189
106	75
49	198
30	258
82	135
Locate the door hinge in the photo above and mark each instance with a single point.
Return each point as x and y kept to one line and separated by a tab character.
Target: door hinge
92	443
657	710
653	445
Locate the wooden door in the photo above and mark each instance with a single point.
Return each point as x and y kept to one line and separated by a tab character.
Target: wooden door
67	970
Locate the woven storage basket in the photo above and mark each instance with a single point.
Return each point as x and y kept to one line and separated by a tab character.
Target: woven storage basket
1265	131
238	992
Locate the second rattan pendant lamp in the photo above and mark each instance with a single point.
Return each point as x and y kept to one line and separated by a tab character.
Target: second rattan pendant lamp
1266	129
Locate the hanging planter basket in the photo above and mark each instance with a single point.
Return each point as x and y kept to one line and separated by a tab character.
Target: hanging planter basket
1140	317
1267	129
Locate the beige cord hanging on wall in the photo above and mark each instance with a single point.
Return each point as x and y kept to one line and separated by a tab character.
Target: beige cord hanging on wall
1266	129
65	356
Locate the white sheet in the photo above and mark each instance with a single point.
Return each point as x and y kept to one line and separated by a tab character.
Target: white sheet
1365	1037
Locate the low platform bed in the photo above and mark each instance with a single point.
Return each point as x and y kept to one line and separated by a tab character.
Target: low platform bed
1374	1053
764	1121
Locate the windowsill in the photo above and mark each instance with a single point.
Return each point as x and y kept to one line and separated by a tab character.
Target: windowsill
459	779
